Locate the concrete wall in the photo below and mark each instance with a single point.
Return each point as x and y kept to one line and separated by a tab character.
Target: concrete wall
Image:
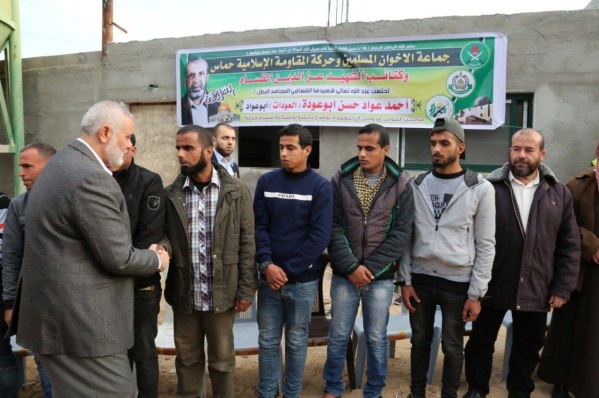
553	55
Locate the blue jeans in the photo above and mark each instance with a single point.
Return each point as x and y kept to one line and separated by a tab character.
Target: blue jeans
145	328
452	337
345	298
290	306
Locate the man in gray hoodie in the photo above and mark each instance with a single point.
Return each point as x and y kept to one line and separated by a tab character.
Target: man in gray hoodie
449	264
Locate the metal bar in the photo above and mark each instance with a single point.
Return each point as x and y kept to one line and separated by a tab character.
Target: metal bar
16	93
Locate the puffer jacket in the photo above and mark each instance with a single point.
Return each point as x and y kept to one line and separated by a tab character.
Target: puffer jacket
233	246
377	239
544	260
462	241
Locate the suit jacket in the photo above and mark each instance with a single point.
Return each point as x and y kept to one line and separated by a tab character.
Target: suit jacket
186	117
77	291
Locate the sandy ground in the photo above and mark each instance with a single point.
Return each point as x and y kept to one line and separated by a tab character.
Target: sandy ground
247	373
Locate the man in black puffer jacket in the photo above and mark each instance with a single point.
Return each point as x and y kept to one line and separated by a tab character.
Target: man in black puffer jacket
144	196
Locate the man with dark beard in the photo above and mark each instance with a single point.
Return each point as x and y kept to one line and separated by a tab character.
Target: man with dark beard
210	236
535	268
449	261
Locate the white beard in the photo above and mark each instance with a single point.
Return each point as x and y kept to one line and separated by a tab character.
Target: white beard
114	153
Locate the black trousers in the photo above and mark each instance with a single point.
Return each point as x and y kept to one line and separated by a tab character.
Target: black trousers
143	352
528	339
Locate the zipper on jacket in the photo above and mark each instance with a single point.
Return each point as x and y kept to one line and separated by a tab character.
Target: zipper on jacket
516	212
364	238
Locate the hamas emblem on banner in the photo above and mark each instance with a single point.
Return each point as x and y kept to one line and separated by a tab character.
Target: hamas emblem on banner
460	83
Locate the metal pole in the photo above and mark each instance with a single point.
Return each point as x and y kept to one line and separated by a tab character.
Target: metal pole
15	73
106	25
347	11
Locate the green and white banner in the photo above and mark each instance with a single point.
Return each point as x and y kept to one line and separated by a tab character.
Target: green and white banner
396	82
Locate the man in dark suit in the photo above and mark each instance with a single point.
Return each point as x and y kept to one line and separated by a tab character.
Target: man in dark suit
77	291
194	107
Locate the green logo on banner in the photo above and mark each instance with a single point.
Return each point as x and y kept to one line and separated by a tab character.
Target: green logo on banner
475	55
460	83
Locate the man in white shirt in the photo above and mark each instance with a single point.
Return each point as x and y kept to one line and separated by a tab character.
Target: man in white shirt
195	108
223	141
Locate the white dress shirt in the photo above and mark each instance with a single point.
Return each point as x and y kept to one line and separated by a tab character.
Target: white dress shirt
524	195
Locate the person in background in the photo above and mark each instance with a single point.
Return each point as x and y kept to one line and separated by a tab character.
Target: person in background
223	141
570	358
144	197
32	160
9	373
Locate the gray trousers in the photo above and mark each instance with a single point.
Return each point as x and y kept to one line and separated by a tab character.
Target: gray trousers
108	376
190	332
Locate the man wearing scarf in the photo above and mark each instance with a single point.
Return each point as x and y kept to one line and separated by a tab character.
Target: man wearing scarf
373	214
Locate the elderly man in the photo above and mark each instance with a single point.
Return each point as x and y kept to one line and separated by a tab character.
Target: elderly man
32	160
76	302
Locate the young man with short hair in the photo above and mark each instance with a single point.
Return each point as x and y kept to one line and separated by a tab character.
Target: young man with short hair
293	207
372	225
449	264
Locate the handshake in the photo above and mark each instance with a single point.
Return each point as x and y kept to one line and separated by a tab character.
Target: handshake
162	254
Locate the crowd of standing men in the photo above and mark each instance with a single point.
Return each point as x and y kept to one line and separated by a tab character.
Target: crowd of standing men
81	284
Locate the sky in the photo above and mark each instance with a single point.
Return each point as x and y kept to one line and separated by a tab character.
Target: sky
73	26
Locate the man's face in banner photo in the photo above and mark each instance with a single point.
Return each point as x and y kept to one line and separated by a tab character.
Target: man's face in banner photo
196	76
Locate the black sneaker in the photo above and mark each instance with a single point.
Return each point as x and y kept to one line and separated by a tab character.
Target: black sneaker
473	394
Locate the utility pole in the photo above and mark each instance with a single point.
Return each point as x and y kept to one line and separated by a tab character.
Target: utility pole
106	25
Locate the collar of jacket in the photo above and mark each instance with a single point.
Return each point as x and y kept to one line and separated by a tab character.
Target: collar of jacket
351	165
587	173
122	175
471	178
503	173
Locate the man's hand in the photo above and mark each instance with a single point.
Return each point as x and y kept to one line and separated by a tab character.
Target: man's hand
163	254
361	276
275	276
241	305
596	257
7	316
470	311
408	292
556	302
